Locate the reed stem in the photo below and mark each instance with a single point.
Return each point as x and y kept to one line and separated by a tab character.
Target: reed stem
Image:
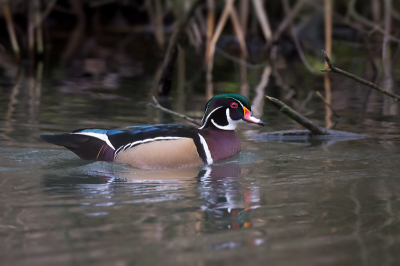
11	30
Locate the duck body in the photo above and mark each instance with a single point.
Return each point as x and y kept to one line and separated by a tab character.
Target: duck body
163	145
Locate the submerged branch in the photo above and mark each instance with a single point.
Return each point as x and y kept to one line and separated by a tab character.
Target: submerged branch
334	69
315	130
159	107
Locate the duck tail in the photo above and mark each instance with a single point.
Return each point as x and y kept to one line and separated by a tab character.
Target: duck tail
86	147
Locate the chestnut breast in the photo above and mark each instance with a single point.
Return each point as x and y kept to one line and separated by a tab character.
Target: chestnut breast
221	143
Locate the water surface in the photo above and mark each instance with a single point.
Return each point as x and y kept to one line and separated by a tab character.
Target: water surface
318	203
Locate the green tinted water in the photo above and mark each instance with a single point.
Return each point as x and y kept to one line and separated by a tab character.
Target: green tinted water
320	203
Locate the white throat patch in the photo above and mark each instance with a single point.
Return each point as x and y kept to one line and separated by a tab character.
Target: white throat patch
231	123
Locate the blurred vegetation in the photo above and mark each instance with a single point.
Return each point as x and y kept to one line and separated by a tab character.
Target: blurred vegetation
60	19
112	39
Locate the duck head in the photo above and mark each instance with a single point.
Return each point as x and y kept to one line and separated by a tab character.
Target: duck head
225	111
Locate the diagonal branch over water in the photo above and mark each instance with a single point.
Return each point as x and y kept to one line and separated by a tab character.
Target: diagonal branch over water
334	69
158	106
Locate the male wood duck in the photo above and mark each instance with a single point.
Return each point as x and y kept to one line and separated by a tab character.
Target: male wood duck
166	146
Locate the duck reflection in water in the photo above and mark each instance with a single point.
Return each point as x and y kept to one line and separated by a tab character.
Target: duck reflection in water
227	198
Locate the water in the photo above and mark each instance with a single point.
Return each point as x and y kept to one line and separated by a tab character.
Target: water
318	203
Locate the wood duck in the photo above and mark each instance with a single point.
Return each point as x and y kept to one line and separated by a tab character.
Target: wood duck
166	146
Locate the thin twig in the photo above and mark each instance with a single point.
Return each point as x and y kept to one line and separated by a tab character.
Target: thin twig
11	30
218	30
330	106
13	97
263	19
238	60
395	97
346	21
358	17
301	53
196	34
371	58
210	28
258	101
244	15
210	56
165	82
288	19
39	32
376	11
172	51
201	21
395	14
158	106
386	58
31	31
288	12
77	33
328	48
306	100
44	15
154	11
315	130
395	56
374	70
239	31
158	23
99	3
352	12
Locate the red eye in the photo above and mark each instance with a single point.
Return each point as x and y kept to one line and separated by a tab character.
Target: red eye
234	105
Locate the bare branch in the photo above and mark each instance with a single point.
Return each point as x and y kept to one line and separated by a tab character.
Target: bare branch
334	69
330	107
165	110
263	19
47	12
238	60
288	19
315	130
11	30
239	31
375	27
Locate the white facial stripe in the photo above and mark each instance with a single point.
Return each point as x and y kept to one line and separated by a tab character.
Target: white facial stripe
231	123
206	110
102	137
130	145
236	101
206	150
205	122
